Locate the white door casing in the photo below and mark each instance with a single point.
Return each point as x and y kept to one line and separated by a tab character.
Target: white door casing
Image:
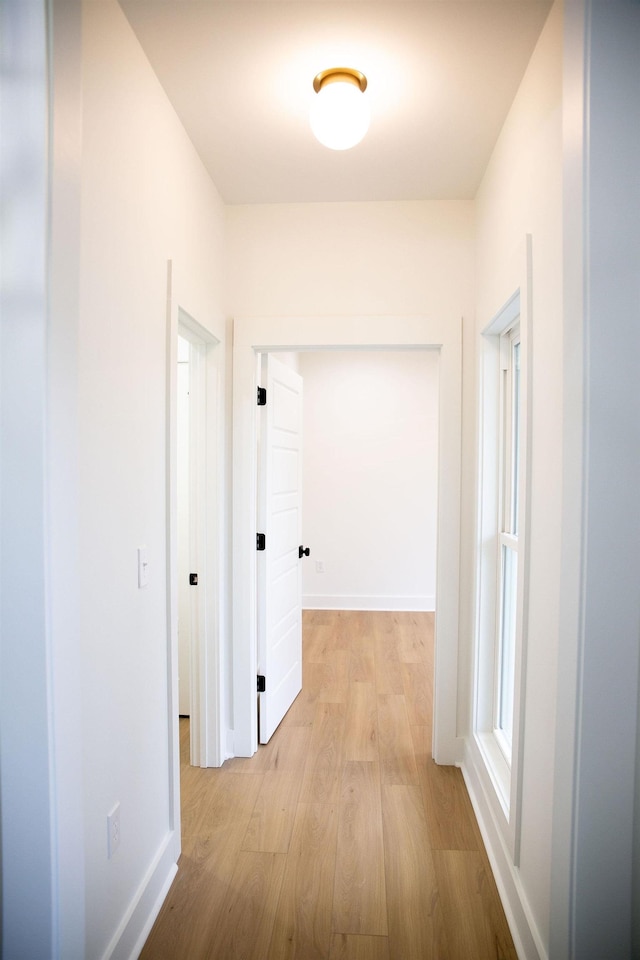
279	566
184	538
207	390
255	336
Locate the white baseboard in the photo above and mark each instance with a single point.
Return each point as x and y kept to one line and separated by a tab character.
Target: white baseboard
135	926
345	602
526	937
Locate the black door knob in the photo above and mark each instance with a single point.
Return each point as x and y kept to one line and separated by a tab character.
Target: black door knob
303	552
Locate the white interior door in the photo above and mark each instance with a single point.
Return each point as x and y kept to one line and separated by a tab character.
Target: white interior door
279	565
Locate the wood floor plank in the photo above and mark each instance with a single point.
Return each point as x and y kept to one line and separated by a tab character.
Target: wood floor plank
416	927
452	824
414	636
418	692
319	643
249	908
387	663
362	664
389	677
385	639
224	806
313	618
187	922
321	782
290	748
323	639
361	725
318	675
394	741
359	899
302	930
287	750
269	829
335	688
476	929
196	791
422	739
301	712
346	946
362	667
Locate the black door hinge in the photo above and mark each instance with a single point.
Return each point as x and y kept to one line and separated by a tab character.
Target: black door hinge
262	684
261	541
193	579
262	396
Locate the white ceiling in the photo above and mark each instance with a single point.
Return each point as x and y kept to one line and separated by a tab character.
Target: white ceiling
442	75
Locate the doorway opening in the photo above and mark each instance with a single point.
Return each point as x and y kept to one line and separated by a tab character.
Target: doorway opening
254	337
194	535
368	461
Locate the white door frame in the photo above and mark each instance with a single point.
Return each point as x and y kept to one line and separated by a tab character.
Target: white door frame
253	336
206	387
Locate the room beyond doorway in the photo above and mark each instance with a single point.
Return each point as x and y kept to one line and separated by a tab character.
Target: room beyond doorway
370	476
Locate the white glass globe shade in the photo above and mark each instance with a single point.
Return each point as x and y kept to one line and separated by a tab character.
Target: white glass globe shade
339	115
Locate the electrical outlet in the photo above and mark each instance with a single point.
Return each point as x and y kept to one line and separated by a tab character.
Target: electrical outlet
113	831
319	566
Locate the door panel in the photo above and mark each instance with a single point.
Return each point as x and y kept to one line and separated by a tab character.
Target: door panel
279	571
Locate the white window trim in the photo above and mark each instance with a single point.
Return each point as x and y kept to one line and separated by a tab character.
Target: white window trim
504	778
506	535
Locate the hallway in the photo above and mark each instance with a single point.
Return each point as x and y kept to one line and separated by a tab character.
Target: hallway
340	839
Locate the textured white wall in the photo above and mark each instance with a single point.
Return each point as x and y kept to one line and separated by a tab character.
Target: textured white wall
522	193
370	479
145	199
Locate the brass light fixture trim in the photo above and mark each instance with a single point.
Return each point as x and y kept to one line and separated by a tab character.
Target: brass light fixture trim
340	75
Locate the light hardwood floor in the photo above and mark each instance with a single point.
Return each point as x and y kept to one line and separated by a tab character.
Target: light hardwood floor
340	839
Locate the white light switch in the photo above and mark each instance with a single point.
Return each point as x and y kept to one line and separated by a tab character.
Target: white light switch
143	567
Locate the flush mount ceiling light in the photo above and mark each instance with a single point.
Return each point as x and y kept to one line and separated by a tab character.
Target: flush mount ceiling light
340	114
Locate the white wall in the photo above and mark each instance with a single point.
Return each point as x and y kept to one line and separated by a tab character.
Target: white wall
522	193
369	479
146	198
350	258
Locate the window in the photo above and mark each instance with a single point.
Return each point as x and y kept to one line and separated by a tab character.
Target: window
509	445
501	564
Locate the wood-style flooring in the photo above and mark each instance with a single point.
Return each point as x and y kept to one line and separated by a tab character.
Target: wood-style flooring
340	839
